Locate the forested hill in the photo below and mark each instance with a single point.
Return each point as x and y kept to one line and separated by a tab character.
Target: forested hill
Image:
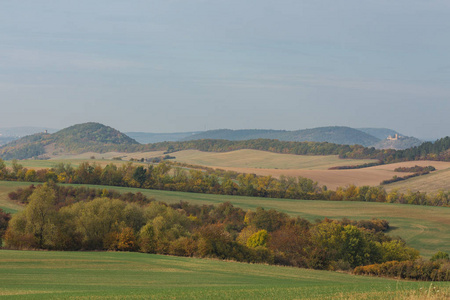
91	133
75	139
334	134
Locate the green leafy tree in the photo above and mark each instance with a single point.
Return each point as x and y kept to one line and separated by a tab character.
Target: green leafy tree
40	212
37	219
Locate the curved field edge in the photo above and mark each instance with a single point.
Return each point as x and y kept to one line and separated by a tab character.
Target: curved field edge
266	163
422	227
433	182
122	275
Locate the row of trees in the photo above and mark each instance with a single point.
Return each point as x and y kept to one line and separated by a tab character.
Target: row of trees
183	229
164	176
66	195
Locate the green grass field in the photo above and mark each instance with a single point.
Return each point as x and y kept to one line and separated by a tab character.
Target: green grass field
424	228
5	188
115	275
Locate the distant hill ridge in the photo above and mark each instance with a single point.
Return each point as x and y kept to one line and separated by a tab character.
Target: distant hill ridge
332	134
96	137
149	137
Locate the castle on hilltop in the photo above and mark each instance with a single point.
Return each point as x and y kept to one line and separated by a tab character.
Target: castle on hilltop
394	138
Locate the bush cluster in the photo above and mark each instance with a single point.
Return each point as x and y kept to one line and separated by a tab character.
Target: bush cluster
410	269
222	231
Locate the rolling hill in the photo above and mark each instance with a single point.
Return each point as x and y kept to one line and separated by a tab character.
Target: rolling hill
334	134
367	137
74	139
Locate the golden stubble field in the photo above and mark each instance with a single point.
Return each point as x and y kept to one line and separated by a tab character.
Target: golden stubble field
267	163
316	168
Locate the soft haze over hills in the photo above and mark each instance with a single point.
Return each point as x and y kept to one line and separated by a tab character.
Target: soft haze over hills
380	133
335	134
368	137
149	137
100	138
174	66
24	131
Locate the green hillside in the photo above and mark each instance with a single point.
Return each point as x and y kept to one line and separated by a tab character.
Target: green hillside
122	275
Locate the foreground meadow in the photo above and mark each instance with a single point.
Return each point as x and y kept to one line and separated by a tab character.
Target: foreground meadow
122	275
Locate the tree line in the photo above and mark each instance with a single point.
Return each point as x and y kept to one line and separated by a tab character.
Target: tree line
168	176
437	150
183	229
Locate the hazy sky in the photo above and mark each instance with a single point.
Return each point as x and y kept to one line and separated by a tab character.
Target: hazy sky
186	65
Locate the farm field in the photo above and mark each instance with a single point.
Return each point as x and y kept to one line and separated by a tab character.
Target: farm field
316	168
431	183
267	163
422	227
263	159
122	275
239	158
44	164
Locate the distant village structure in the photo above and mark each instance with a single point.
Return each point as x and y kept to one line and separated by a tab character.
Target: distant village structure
394	138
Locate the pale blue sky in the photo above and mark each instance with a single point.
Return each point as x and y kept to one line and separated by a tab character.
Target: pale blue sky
181	65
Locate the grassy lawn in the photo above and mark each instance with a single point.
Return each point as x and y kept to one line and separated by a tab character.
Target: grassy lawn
115	275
